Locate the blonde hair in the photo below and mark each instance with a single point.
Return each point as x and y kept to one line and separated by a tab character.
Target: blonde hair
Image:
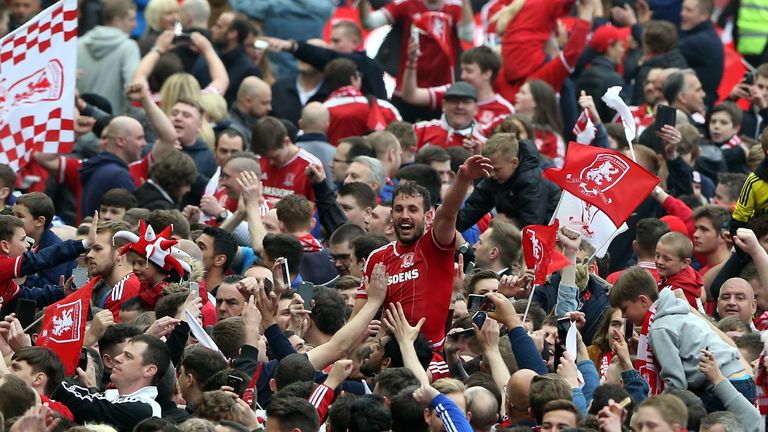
156	8
207	135
670	407
502	144
178	86
215	107
449	385
680	242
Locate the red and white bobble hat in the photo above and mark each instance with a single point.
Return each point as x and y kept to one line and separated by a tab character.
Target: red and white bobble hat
156	248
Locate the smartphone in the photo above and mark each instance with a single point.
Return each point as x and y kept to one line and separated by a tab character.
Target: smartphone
479	318
267	286
629	330
83	362
286	274
80	277
749	78
563	325
665	115
260	44
236	383
180	38
25	311
475	302
469	267
307	291
194	289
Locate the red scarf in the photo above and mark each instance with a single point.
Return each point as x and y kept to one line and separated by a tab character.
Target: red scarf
605	362
761	387
761	321
347	91
309	243
735	141
646	362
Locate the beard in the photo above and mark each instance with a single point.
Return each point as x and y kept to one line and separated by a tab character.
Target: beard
412	236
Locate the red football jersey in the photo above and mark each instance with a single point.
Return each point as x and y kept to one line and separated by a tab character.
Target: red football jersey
288	179
10	267
439	133
434	67
550	144
490	112
489	28
350	111
125	288
420	278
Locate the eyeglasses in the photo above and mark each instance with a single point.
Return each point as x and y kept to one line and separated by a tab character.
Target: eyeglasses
340	257
341	161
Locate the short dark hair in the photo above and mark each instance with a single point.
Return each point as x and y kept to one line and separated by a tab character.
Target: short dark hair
156	353
339	73
338	415
7	176
202	363
631	284
119	197
358	147
224	243
325	312
485	57
294	368
758	224
287	246
242	26
606	392
717	215
432	153
155	424
8	225
16	396
38	204
410	414
367	243
363	193
294	412
414	188
229	335
659	37
694	404
393	379
648	233
43	360
732	183
295	212
168	306
346	233
173	172
544	389
112	9
752	343
509	240
730	108
115	335
350	27
368	414
159	219
231	133
562	405
421	344
458	155
131	304
268	134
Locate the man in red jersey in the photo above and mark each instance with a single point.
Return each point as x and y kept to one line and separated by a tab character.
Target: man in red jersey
457	126
282	162
118	283
420	263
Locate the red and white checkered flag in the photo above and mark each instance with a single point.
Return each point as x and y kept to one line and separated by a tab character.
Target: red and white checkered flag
37	85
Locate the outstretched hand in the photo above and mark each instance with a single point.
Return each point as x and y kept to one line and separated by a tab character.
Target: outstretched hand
395	320
475	167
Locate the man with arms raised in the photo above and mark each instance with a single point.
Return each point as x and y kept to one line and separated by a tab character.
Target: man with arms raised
419	250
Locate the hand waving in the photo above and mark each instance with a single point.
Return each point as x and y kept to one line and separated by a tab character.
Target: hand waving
475	167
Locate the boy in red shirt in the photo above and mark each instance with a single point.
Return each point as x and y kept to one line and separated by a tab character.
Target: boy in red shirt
673	262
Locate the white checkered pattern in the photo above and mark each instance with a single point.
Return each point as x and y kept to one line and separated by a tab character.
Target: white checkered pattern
45	126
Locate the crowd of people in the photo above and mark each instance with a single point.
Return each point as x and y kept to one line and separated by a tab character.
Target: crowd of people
283	231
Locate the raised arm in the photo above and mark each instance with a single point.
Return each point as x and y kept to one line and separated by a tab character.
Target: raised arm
397	323
344	340
163	44
411	91
488	337
371	19
219	75
444	227
466	30
160	123
506	15
251	193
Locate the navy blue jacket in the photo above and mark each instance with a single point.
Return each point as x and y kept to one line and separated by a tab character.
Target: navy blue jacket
51	275
704	53
99	174
206	167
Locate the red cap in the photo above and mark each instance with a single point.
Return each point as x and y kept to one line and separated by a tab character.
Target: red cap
676	224
606	35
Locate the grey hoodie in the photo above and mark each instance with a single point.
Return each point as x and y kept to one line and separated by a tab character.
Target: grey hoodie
107	58
677	337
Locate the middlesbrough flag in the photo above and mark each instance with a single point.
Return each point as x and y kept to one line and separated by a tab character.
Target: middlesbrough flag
540	252
582	217
63	329
37	88
605	179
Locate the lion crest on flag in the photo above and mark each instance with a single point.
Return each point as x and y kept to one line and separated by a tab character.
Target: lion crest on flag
600	176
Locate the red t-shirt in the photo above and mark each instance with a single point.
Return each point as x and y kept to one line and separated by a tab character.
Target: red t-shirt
10	269
289	179
420	277
350	111
434	67
125	288
439	133
550	144
490	112
489	28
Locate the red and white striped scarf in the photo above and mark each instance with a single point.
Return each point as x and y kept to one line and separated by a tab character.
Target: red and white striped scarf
605	363
735	141
584	129
761	387
646	363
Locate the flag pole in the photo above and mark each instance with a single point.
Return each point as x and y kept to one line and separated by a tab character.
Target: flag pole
528	306
34	323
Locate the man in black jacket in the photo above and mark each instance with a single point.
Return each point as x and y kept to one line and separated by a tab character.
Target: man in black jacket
701	46
516	188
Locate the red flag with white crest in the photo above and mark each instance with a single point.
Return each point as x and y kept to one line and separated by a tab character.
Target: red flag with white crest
604	178
63	329
37	89
541	255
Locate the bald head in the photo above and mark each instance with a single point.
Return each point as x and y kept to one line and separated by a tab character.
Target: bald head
483	406
254	97
236	165
125	138
315	118
518	389
737	299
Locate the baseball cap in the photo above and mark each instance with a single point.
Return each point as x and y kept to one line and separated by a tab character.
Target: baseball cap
606	35
461	90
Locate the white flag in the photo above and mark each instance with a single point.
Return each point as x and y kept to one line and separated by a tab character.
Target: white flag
593	224
37	85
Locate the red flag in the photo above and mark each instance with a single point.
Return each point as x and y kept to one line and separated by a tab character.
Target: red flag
604	178
437	27
376	120
540	252
63	329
